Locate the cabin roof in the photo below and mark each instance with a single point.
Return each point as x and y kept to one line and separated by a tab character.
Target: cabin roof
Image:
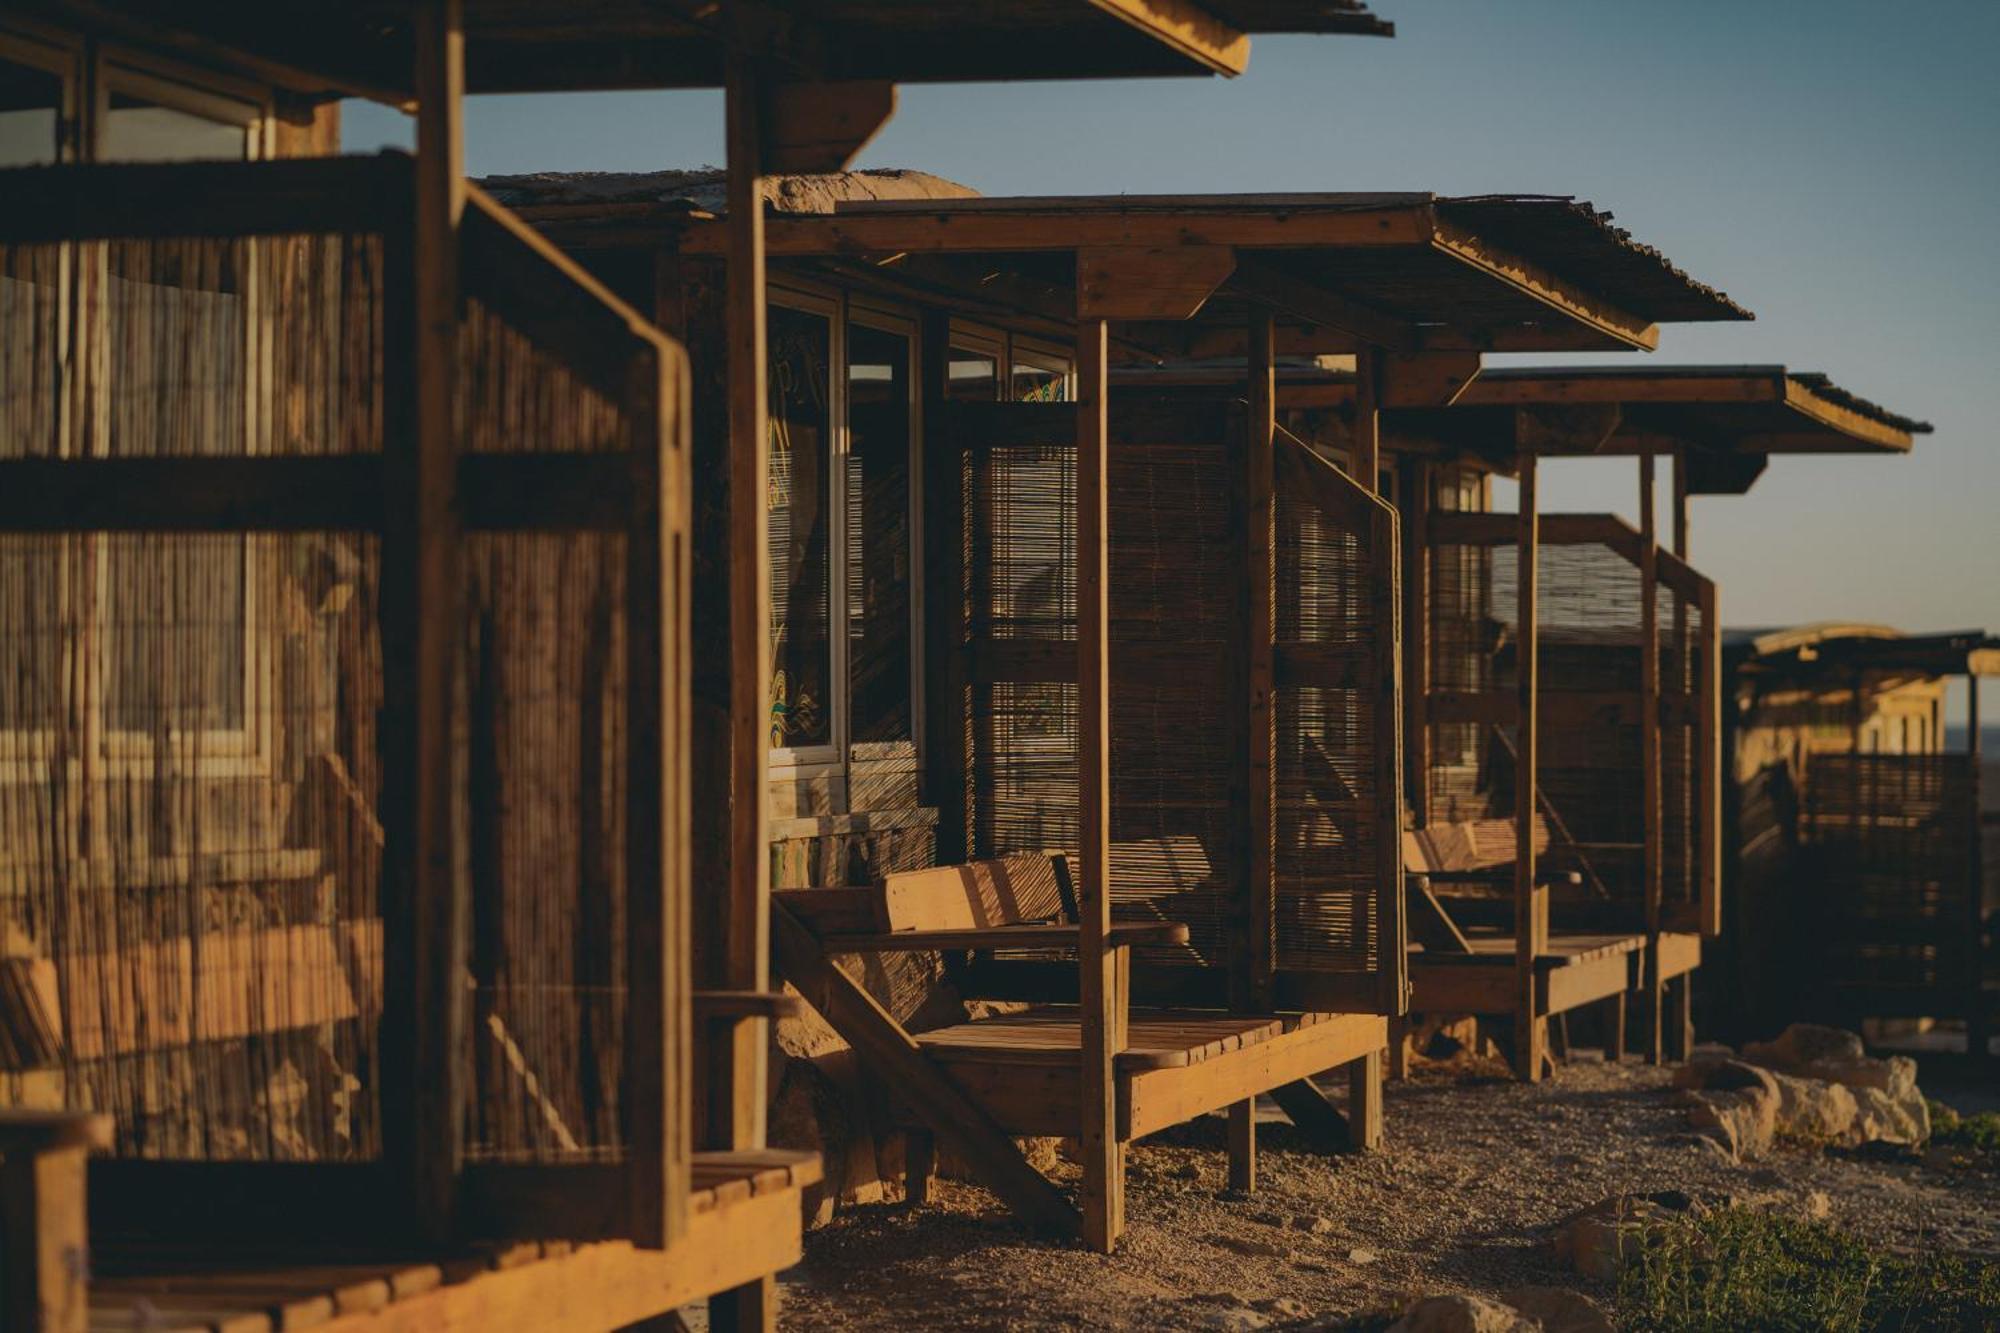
364	48
1340	270
1839	647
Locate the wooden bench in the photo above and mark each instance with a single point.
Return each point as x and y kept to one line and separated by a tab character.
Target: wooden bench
981	1083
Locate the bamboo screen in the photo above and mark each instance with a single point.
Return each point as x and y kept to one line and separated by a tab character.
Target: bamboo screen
1178	701
1332	621
190	858
1885	877
199	812
1591	647
543	654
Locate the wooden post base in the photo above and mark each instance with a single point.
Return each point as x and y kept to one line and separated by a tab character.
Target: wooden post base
750	1308
919	1166
1243	1145
1364	1103
1614	1028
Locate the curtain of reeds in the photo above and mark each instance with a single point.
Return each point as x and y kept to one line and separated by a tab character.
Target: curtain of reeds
189	851
541	762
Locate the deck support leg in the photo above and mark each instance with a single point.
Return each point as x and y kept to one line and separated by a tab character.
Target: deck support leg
1614	1028
42	1227
1243	1145
1364	1102
1653	1006
750	1308
1559	1039
1680	1018
919	1165
1399	1047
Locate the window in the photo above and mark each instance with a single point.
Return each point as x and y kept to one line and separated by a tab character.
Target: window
1039	375
165	623
801	526
879	539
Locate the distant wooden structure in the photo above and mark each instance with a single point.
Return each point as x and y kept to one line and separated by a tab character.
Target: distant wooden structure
1629	694
1862	862
1130	592
345	548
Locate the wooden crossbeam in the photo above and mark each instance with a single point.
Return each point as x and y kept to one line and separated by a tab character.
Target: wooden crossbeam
822	127
1149	282
1271	284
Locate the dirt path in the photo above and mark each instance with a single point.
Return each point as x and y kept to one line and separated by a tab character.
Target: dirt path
1476	1172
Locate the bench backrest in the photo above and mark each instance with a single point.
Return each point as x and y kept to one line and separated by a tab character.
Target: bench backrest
1475	844
1005	891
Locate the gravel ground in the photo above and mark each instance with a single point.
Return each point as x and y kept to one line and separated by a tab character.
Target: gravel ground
1476	1172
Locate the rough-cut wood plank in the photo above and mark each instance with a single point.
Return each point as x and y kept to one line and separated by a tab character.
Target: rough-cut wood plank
1364	1102
1056	935
1162	1097
1530	900
1153	282
739	1071
1168	1039
821	127
1002	891
1103	1195
440	896
1652	881
1251	970
1243	1145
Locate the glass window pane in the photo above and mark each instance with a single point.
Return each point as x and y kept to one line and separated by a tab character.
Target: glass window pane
30	115
878	534
974	377
174	621
1039	384
799	503
137	129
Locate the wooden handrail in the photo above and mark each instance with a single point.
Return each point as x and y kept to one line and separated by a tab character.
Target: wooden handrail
1048	935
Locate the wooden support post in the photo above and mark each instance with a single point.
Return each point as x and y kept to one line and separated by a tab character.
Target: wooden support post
736	1071
919	1166
44	1234
1614	1028
1251	974
1680	1018
1399	1047
1364	1103
1367	432
425	999
1418	480
1102	988
747	949
1531	919
1243	1145
944	750
1649	753
1977	1034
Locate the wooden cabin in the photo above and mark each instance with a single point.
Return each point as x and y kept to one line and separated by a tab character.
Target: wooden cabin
1861	861
1060	610
344	555
1626	819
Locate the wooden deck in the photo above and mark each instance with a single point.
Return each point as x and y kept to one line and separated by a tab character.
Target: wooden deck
745	1224
1575	970
1176	1065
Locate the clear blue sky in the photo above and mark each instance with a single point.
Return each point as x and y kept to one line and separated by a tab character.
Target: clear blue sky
1832	164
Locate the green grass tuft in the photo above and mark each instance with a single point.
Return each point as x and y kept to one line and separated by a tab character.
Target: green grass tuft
1976	1133
1737	1269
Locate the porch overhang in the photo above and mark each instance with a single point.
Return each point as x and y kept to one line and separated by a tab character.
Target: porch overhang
329	48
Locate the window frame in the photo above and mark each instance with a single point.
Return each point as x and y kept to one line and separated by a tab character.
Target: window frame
90	72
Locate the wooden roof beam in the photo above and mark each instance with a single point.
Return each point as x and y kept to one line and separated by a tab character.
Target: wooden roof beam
1151	282
1535	282
1867	430
1289	294
1505	390
1186	27
963	226
1567	430
818	128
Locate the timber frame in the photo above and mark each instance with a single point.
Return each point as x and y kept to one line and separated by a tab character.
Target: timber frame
690	1204
1127	281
